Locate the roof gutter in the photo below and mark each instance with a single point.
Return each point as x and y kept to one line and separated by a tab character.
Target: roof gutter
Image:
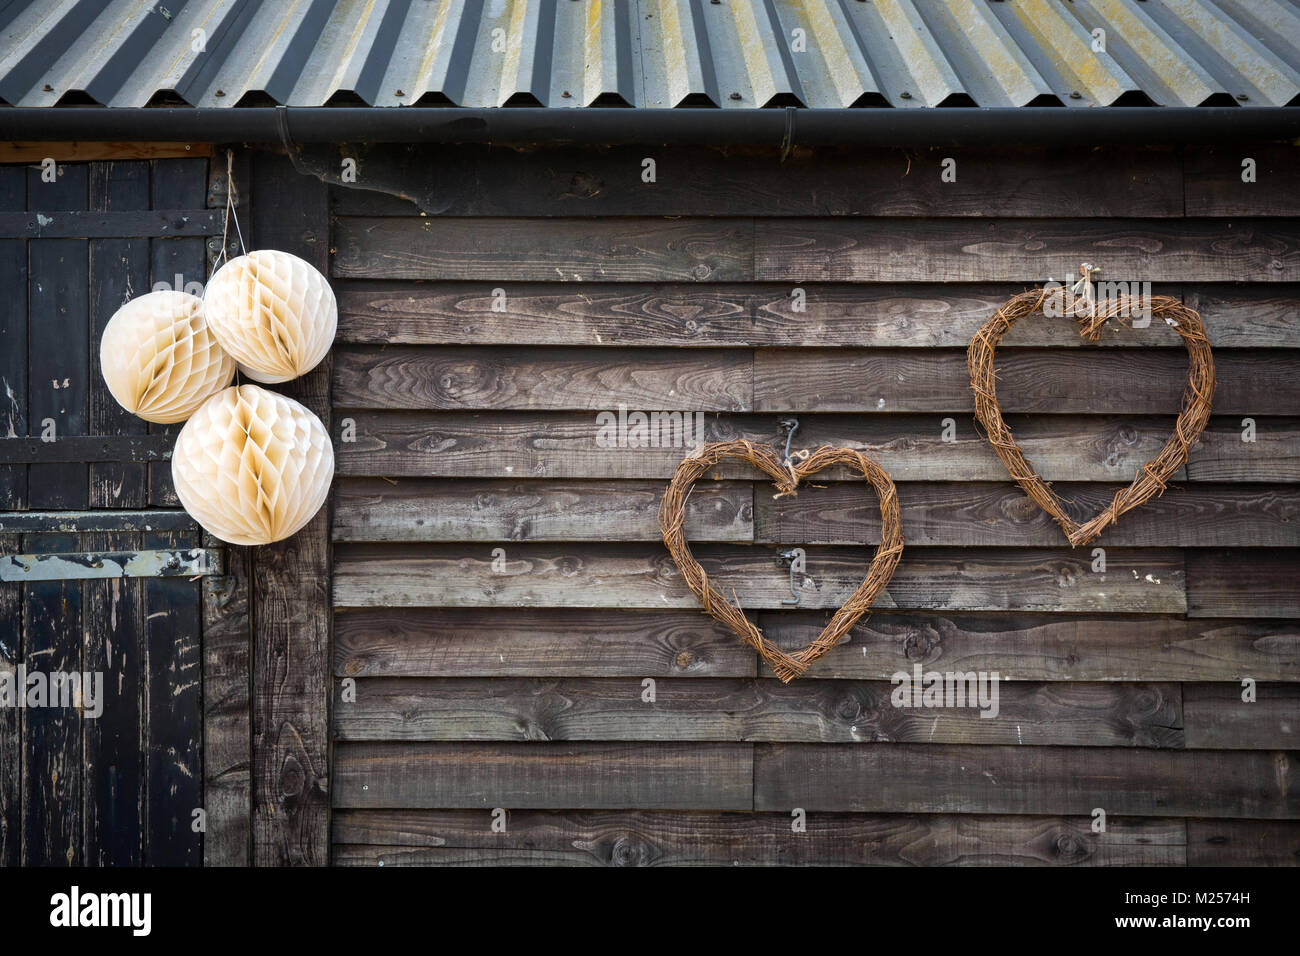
790	126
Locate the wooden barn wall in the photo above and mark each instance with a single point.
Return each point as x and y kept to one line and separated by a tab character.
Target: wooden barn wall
501	595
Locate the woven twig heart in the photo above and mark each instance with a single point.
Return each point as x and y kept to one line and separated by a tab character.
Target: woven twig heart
672	516
1153	477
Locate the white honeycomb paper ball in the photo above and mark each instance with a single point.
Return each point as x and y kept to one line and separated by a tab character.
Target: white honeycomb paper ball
252	466
159	358
275	313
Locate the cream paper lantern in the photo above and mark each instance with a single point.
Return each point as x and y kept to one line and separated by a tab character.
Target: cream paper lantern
159	358
273	312
252	466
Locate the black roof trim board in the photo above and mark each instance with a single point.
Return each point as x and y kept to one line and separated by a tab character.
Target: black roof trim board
595	125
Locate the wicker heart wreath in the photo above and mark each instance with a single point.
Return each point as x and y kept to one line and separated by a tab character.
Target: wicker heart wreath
786	476
1153	477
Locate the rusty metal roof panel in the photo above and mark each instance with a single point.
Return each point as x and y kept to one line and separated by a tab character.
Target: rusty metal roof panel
656	54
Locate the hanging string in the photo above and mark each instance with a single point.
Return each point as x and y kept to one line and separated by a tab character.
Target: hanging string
230	213
231	194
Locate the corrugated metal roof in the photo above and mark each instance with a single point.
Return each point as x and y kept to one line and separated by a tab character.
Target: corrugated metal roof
650	53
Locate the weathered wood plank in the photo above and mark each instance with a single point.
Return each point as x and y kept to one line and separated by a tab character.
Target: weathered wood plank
909	447
600	313
944	778
182	264
1195	514
83	151
615	575
831	711
1247	316
702	181
58	361
937	315
612	838
596	776
547	250
704	315
1050	381
227	714
119	271
1246	449
13	342
21	522
291	583
517	642
421	509
1049	646
58	339
115	743
88	448
13	601
1244	582
561	378
1216	716
1023	250
105	224
174	697
52	773
1213	183
1243	843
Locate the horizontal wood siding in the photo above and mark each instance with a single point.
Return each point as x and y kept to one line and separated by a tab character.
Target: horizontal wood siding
521	676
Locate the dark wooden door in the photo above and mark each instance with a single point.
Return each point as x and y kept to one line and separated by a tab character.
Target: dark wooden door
80	475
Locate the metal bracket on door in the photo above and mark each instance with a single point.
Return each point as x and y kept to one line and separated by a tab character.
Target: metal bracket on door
80	565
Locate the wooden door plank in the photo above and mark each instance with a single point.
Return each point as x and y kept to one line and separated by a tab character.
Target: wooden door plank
119	272
13	341
57	344
174	700
52	775
59	364
181	264
13	602
117	742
